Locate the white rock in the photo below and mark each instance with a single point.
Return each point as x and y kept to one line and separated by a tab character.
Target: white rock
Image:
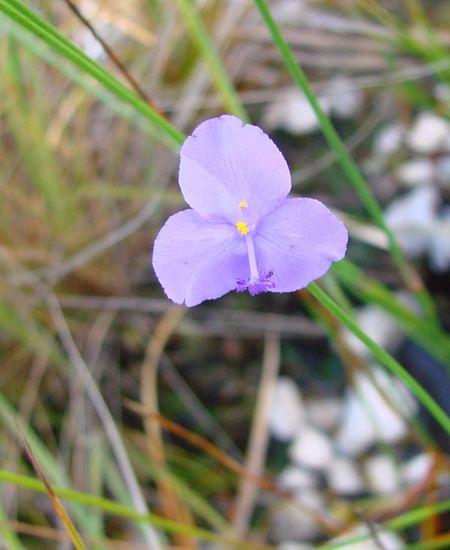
290	11
442	92
416	469
311	448
287	411
388	540
293	479
311	499
416	172
92	47
440	243
389	139
379	326
368	418
291	523
344	478
410	218
294	546
383	477
356	433
324	413
293	113
345	98
429	133
399	395
442	171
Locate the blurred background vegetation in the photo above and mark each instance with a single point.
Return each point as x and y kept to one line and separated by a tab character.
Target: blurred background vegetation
123	402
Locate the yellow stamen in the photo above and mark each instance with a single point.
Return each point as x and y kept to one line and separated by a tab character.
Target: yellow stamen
243	204
242	227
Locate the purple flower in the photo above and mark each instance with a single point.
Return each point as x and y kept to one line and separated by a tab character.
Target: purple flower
242	233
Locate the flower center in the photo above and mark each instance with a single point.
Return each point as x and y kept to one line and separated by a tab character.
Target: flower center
243	204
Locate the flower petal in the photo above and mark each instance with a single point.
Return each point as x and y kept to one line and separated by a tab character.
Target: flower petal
298	242
225	163
196	260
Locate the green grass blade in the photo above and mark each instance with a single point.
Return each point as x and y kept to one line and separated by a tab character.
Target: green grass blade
9	417
46	32
7	535
348	165
191	498
383	357
206	47
119	510
408	519
416	515
426	333
97	456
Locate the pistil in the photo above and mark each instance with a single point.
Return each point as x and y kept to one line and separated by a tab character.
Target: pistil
256	283
254	275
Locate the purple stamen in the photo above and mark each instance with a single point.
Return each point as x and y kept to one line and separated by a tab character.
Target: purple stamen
256	286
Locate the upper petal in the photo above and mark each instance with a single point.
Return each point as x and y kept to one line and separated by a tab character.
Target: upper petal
197	260
298	242
225	163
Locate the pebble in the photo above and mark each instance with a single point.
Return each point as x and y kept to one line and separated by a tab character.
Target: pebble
344	97
311	449
293	478
367	417
382	475
415	172
324	413
290	11
416	469
291	523
429	133
389	139
410	218
440	243
442	92
286	415
344	478
293	113
294	546
442	171
356	434
387	539
379	326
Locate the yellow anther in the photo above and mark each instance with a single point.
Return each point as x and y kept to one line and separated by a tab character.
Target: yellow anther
242	227
243	204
